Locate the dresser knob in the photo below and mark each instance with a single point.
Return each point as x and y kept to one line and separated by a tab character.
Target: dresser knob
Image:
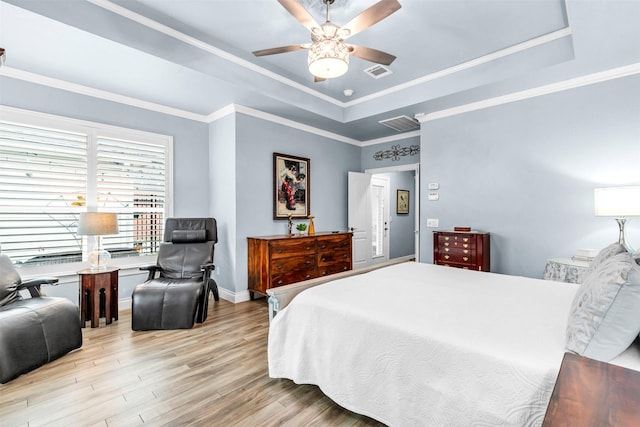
465	258
280	282
308	262
446	238
280	267
466	239
466	251
323	259
446	257
446	249
308	247
279	251
308	276
446	244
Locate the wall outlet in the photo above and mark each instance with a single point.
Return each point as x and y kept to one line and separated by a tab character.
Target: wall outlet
432	222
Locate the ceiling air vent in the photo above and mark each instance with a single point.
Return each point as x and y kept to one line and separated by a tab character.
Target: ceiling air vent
378	71
401	123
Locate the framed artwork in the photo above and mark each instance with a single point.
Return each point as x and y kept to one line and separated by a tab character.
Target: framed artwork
292	189
402	201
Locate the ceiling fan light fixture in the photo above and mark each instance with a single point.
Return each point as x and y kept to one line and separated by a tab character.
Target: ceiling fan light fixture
328	58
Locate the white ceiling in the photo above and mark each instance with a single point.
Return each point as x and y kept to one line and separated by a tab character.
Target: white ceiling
195	55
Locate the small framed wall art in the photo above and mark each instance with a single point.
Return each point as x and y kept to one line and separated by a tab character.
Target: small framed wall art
402	201
292	189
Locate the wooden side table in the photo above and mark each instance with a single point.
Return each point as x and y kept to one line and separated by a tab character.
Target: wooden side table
98	295
589	393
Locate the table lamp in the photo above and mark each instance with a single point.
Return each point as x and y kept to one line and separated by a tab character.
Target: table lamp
98	224
620	203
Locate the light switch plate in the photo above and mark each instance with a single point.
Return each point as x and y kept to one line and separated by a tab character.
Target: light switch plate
433	186
432	222
433	195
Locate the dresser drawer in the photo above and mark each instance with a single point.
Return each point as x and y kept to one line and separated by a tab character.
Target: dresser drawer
331	243
289	277
294	263
334	268
457	257
332	257
287	248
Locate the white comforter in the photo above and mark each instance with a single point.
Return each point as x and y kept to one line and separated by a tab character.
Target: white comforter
423	345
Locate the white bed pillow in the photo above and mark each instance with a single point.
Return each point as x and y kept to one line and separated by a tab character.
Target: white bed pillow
605	314
604	254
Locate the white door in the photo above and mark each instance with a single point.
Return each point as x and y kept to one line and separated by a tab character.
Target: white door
380	218
360	218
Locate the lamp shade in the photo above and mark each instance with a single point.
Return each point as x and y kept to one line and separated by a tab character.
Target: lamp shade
328	58
97	224
617	201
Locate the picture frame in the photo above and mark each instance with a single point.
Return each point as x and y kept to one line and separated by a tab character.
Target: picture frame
402	201
291	186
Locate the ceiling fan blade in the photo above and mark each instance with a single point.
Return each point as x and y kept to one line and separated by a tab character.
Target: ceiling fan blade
374	14
300	13
317	79
373	55
282	49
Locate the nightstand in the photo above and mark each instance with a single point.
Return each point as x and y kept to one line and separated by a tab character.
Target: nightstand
98	295
565	270
589	393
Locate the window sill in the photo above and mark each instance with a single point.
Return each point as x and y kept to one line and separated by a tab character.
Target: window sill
67	273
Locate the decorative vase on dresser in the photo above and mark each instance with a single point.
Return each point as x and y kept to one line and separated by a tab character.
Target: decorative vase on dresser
462	249
284	259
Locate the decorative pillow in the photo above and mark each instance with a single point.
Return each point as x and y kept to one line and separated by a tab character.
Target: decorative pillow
9	281
605	314
604	254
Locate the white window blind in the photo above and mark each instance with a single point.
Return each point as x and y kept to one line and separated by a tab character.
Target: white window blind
43	175
50	174
132	181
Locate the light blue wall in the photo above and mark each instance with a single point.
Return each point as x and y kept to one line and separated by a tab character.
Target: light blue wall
222	197
402	237
241	174
525	172
367	153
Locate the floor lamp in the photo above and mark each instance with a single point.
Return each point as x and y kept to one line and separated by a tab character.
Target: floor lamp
620	203
98	224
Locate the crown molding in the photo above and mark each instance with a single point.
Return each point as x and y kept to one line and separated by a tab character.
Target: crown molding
98	93
393	138
586	80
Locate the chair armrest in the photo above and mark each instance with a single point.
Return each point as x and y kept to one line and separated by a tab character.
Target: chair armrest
152	269
33	285
207	268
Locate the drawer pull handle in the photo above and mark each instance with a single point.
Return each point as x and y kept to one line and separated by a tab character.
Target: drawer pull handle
466	251
465	258
308	276
308	247
280	282
323	259
446	244
446	257
446	249
280	267
307	262
466	239
446	238
466	245
279	251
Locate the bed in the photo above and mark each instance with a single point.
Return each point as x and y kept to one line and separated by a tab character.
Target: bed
416	344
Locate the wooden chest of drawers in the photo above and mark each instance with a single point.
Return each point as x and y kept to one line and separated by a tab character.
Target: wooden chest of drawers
469	250
281	260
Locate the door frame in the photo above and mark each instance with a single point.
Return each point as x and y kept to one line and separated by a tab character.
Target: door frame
402	168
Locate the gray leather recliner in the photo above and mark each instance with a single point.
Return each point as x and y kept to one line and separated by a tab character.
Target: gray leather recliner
36	330
176	292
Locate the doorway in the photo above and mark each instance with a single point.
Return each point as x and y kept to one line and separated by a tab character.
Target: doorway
381	231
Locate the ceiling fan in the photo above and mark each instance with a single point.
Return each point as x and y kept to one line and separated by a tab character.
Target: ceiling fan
328	53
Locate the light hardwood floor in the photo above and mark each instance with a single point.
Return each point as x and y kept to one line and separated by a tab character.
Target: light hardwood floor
212	375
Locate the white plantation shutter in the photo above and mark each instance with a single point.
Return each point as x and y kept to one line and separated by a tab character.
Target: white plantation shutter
53	168
132	182
43	175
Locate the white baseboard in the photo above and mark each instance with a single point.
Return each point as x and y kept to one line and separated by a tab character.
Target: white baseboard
234	297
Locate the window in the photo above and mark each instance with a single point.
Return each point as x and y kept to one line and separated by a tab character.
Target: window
53	168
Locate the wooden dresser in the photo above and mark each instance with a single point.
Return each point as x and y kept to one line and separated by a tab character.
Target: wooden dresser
281	260
462	249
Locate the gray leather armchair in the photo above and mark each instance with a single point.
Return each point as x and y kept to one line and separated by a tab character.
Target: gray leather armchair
176	292
36	330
